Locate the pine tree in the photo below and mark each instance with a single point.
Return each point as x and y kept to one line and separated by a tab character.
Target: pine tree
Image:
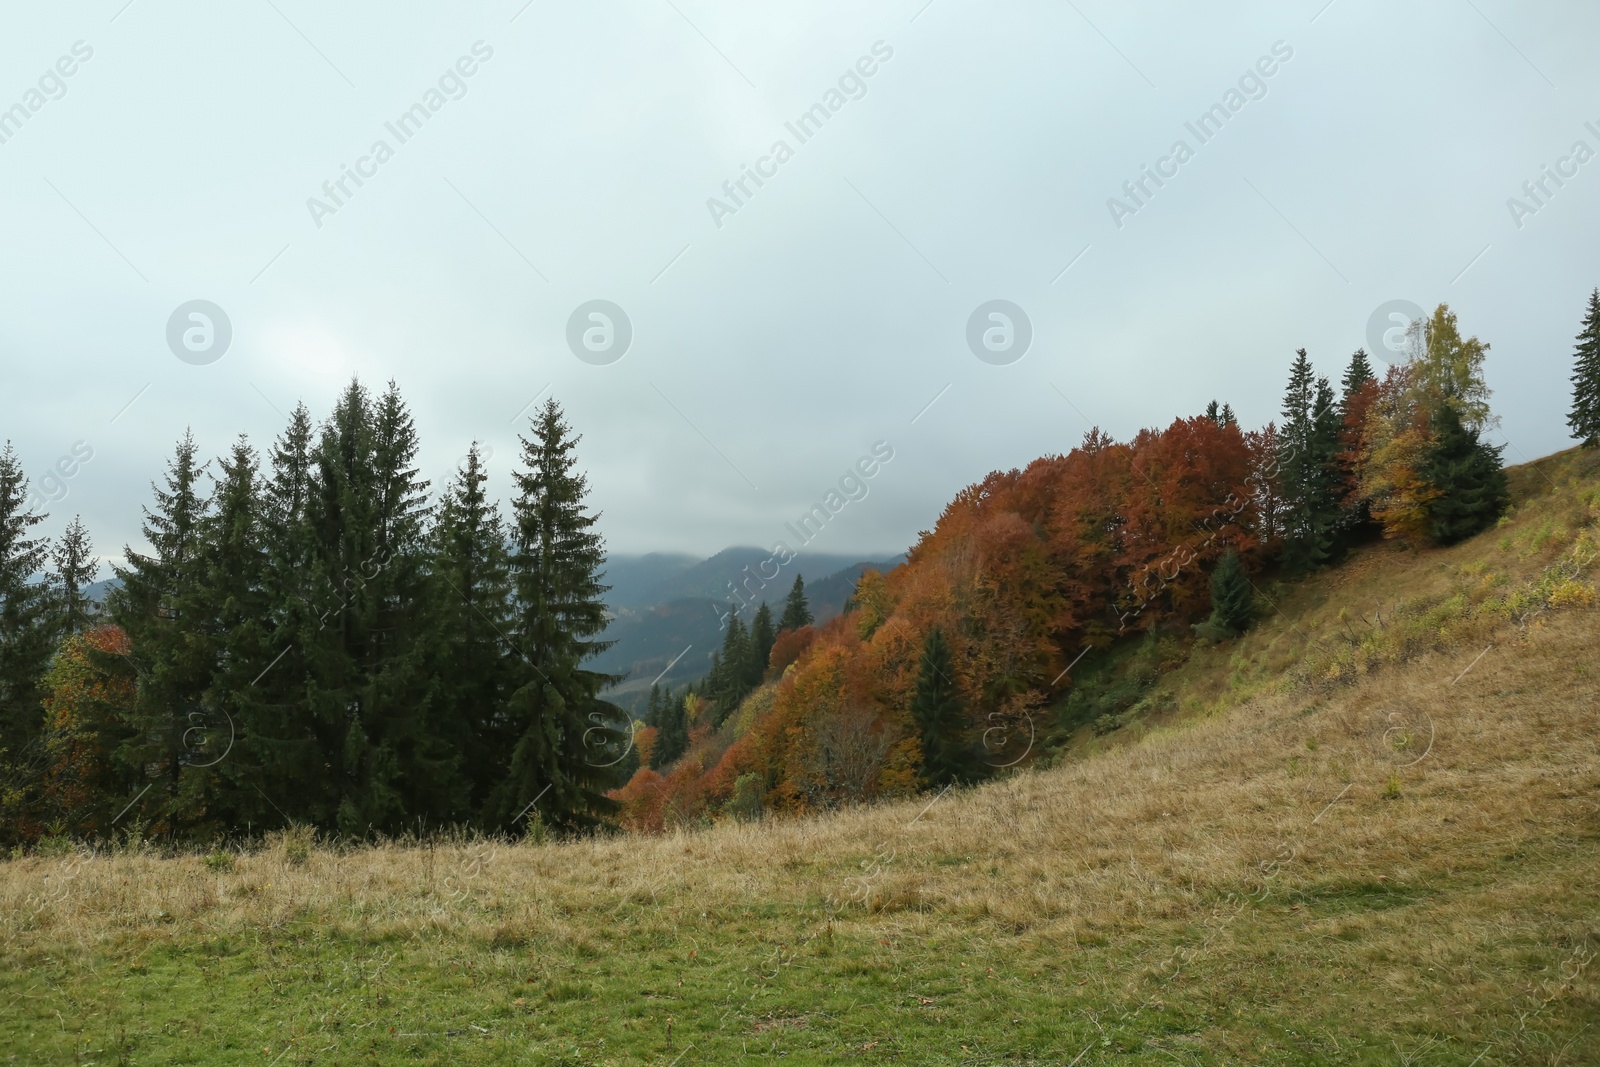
1584	420
468	657
227	629
672	736
564	729
75	570
730	670
1307	468
281	753
25	638
1213	413
1467	475
1232	600
158	604
796	612
761	641
938	711
1358	374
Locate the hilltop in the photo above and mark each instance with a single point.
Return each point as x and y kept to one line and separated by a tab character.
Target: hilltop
1366	832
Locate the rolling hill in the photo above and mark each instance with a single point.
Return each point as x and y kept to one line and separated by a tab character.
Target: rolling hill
1364	833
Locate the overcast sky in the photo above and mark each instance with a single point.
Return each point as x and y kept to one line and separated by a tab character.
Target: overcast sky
777	337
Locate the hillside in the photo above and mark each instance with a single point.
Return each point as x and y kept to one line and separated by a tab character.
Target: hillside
1365	833
662	606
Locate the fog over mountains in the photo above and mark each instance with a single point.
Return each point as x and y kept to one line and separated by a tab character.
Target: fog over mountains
668	606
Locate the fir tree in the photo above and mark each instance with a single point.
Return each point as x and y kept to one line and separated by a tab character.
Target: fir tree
938	711
278	759
228	627
672	732
1467	475
75	570
158	604
25	638
562	725
1356	375
1307	468
796	612
762	638
467	656
1232	600
729	673
1584	420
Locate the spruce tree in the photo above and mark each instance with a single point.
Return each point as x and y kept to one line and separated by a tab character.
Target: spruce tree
468	659
75	570
796	612
730	670
159	605
281	754
1357	374
1467	474
1232	600
25	625
762	638
1308	448
937	709
564	729
672	732
232	619
1584	420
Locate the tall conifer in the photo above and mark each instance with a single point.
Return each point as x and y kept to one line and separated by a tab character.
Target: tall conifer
1584	420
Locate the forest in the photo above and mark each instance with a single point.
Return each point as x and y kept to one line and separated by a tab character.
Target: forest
309	638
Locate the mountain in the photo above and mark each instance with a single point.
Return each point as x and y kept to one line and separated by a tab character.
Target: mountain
666	612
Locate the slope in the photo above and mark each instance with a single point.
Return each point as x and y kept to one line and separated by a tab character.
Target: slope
1331	842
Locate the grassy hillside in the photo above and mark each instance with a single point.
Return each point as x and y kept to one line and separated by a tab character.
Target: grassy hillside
1366	833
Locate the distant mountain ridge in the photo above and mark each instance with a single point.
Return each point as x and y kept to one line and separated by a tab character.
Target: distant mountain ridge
668	612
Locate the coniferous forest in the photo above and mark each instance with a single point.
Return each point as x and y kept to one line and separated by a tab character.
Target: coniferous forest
313	635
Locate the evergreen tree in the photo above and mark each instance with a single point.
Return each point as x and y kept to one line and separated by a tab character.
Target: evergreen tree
672	732
75	570
1358	374
730	669
25	638
1308	469
1584	420
1232	600
1222	417
159	605
938	711
562	726
468	659
1467	475
796	612
229	626
762	638
652	715
281	754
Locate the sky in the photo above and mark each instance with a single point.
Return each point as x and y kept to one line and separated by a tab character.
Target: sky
942	263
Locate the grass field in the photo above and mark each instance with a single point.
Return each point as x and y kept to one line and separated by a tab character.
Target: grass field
1368	833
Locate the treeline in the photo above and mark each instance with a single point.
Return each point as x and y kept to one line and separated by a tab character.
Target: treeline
310	638
946	668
